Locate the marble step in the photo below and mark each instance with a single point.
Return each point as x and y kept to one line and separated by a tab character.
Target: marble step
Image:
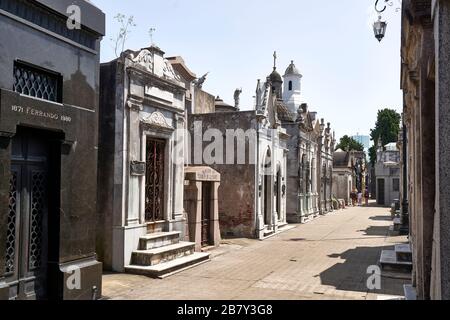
164	254
404	252
158	240
169	268
389	261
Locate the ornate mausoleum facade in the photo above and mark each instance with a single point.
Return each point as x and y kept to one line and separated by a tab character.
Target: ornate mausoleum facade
310	156
141	171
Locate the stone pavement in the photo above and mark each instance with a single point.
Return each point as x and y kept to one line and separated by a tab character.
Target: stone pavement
324	259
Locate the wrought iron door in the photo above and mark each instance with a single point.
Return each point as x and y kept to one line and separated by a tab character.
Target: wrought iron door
27	232
206	214
154	182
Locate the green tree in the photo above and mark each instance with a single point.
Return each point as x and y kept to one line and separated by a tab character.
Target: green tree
349	144
386	128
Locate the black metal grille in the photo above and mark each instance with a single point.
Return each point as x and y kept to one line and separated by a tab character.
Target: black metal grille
154	189
50	21
36	83
36	219
11	226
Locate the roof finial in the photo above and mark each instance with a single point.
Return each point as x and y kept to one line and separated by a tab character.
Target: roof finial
275	60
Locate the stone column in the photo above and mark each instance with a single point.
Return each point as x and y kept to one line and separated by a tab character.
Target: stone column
134	154
215	223
427	154
178	158
441	13
5	173
193	206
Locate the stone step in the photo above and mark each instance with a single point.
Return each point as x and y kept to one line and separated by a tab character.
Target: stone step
158	240
404	252
389	261
397	224
164	254
169	268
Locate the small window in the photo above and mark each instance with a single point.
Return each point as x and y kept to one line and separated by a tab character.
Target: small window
396	185
36	82
290	85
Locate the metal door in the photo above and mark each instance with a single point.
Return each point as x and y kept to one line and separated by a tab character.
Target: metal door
27	232
206	214
154	183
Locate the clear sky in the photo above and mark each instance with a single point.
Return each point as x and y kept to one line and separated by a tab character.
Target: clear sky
347	74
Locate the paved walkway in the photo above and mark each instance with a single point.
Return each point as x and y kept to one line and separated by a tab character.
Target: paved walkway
324	259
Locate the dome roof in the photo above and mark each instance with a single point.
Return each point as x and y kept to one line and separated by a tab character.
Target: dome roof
292	70
275	76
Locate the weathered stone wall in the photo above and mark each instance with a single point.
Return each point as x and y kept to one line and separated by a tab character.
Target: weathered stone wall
106	152
203	102
425	82
238	187
342	185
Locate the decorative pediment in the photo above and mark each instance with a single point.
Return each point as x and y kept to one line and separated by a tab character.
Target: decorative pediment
169	72
157	119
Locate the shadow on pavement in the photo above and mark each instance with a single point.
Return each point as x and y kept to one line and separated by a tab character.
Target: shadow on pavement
352	274
376	231
381	218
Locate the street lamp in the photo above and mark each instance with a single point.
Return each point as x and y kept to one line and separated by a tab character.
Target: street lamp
379	27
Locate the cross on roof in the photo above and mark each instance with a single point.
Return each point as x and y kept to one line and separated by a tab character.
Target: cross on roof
274	60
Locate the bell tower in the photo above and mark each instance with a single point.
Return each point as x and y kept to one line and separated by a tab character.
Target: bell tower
292	88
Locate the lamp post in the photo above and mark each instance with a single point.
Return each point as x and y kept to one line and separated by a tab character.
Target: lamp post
379	27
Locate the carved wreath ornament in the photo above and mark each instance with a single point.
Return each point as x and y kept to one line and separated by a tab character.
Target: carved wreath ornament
157	119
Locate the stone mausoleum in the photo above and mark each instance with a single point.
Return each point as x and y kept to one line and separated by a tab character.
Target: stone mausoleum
310	152
141	166
49	92
249	150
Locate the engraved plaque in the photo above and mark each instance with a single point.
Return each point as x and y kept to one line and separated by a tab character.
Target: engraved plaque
137	168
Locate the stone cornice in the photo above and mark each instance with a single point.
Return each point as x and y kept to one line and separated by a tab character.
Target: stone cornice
149	79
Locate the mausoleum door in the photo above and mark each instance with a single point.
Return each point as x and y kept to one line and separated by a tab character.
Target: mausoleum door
154	182
206	214
27	234
267	202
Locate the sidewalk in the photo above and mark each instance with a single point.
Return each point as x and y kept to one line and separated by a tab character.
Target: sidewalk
325	259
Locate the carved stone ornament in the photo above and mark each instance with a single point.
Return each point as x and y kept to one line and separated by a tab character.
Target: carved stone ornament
157	119
144	59
169	72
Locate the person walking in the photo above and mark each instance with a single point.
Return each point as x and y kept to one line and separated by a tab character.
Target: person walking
353	197
360	195
367	196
